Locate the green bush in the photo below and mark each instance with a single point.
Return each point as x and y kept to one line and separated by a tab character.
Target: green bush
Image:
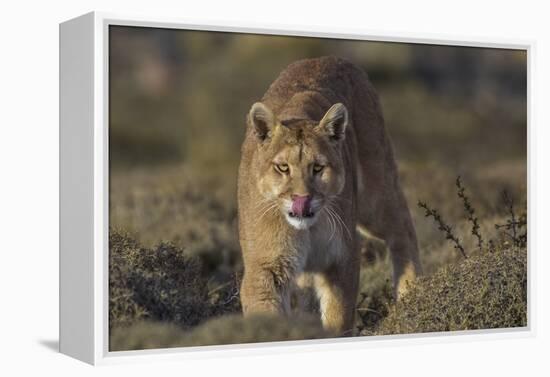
487	290
229	329
160	284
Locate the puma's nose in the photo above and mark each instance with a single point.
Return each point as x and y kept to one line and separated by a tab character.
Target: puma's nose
301	206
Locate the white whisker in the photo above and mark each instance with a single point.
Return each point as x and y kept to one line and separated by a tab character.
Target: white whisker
331	223
270	208
262	203
339	219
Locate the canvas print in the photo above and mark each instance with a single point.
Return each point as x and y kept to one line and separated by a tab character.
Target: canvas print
273	188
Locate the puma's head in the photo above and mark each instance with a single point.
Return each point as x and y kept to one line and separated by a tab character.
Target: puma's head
299	164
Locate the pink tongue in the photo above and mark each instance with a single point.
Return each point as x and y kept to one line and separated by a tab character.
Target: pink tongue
300	205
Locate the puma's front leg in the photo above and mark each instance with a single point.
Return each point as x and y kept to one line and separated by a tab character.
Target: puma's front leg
263	291
268	279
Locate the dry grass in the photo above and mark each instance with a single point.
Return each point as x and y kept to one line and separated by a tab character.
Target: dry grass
193	211
260	328
194	278
230	329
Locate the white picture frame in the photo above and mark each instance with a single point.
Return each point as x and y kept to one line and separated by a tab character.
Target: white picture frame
84	192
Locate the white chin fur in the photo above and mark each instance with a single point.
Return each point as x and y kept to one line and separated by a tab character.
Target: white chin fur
301	223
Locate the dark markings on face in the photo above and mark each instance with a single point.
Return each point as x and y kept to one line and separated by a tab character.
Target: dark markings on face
299	130
300	139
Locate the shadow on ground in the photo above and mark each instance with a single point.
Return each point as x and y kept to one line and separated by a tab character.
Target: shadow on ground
52	345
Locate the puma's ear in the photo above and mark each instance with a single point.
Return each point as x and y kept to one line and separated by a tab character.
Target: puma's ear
334	122
262	120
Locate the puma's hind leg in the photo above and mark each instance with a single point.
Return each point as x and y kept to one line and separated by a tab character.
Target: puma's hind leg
385	213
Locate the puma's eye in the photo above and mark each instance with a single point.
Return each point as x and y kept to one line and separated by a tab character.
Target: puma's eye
283	168
318	168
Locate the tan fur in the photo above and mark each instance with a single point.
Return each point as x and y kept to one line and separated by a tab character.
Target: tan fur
319	112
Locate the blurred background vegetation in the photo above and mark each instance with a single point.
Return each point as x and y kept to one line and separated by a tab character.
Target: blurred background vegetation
177	106
178	95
